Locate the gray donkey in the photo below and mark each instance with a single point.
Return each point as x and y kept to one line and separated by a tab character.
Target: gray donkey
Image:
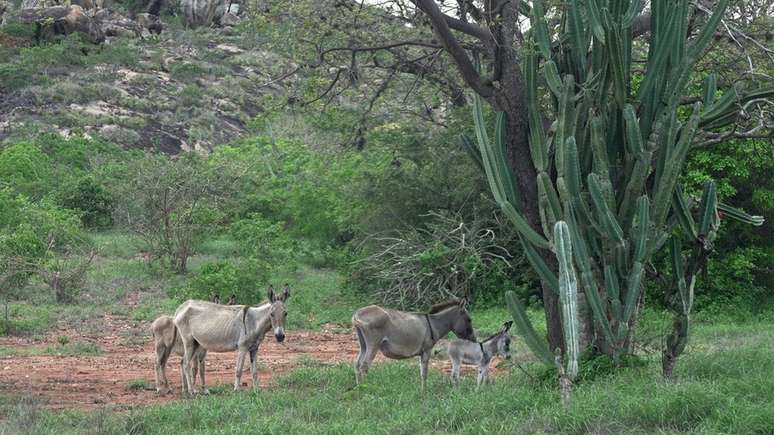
167	341
400	335
226	328
479	353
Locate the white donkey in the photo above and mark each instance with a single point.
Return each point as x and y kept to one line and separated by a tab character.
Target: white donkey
226	328
479	353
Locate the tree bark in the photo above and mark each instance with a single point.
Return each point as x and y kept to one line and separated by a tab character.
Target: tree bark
512	99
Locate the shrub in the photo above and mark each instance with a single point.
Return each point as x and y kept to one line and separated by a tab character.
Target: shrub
91	199
448	257
224	279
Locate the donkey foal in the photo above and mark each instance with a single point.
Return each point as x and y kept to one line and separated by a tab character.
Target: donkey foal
479	353
167	341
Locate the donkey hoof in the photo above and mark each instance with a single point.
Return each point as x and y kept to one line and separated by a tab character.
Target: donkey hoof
206	391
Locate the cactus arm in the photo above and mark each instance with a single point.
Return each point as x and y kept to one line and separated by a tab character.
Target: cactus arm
603	211
537	345
709	89
538	148
739	215
591	289
568	297
664	186
472	150
553	80
538	22
539	265
683	212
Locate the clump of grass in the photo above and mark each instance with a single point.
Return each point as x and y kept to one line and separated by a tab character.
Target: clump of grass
138	385
80	348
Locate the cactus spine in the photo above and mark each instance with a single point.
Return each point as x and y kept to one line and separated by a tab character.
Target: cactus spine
608	169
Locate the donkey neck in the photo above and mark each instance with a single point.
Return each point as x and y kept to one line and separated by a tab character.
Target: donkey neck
441	323
489	348
256	322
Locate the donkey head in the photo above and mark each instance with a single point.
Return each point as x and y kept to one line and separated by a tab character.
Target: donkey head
278	312
462	326
504	341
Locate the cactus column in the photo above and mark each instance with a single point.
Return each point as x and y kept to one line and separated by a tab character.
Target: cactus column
608	167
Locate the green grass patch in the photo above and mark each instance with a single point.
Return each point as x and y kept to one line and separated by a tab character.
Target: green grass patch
80	348
138	385
324	399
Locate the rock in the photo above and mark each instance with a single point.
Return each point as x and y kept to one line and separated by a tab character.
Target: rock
199	12
229	49
61	20
229	19
150	22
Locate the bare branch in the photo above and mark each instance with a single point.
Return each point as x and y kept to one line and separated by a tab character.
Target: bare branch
452	45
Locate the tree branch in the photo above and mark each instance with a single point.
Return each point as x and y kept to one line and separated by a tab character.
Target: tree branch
450	43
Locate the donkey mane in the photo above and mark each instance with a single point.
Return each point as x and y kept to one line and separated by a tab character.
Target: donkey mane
443	305
491	337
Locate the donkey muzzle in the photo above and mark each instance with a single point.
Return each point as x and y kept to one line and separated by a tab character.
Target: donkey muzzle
279	334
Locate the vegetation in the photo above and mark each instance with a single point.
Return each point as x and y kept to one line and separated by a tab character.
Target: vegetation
318	144
724	388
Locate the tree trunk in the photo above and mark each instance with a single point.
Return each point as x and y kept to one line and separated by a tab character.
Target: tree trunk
512	99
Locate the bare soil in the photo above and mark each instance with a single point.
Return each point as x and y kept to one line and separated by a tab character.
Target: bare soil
126	357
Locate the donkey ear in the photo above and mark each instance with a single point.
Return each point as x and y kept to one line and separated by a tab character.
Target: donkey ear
286	293
463	303
507	325
271	294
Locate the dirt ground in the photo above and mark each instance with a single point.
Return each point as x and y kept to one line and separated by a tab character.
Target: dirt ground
126	354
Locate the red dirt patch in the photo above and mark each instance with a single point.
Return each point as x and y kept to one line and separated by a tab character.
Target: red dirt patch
92	381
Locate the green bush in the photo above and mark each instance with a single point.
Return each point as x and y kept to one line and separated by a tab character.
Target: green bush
91	199
26	168
224	279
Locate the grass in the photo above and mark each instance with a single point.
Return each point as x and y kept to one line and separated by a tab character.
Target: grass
723	382
717	391
79	348
137	385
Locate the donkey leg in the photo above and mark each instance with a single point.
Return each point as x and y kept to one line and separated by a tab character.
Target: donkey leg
455	374
183	381
160	378
194	368
367	358
202	355
360	356
239	365
424	358
254	367
481	376
190	349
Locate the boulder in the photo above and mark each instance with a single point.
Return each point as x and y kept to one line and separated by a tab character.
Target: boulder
199	12
61	20
229	19
97	23
150	22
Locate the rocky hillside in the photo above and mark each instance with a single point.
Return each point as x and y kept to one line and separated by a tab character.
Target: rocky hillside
179	89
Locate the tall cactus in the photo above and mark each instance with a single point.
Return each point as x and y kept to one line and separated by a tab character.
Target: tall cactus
608	169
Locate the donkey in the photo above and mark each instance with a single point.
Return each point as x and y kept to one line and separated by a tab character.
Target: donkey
400	335
167	341
226	328
480	353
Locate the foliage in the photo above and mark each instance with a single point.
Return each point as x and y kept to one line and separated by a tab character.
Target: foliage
29	232
224	280
170	203
91	198
448	257
27	169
